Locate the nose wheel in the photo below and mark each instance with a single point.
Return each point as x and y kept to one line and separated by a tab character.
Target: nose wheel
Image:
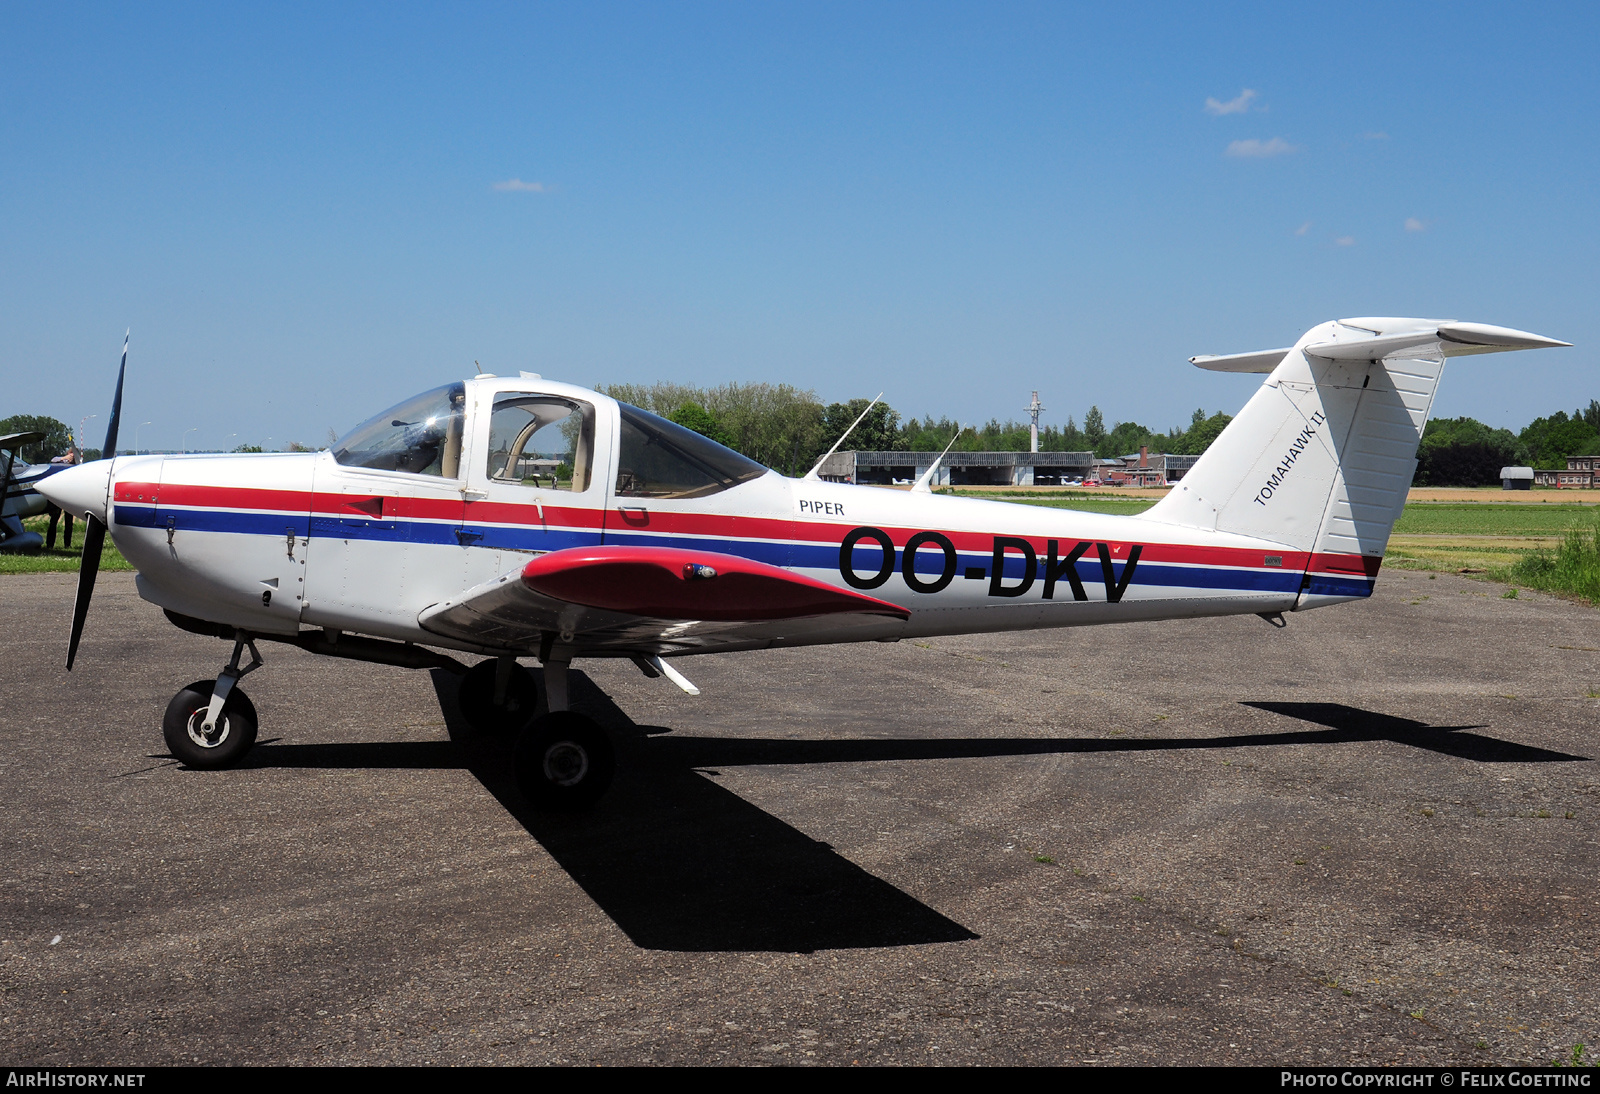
228	737
212	723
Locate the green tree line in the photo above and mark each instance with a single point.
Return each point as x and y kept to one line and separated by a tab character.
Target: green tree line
1466	452
788	428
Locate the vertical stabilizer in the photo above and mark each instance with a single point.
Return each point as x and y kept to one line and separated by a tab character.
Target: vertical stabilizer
1321	458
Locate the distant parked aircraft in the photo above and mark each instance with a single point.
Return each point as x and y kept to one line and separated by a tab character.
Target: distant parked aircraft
22	498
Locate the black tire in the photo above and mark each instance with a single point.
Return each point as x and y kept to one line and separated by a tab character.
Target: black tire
564	762
476	699
235	736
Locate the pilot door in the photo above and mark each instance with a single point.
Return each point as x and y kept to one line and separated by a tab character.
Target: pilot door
533	486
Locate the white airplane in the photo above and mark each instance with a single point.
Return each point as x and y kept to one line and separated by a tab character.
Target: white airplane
516	517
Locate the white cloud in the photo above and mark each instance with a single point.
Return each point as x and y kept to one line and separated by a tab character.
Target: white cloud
1415	225
1345	241
518	186
1233	106
1258	149
1303	229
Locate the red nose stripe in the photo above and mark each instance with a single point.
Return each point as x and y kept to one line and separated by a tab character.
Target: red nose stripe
650	581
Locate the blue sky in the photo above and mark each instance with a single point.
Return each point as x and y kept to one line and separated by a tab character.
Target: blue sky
307	214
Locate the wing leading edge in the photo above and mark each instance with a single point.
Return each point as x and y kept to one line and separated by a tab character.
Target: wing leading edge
655	599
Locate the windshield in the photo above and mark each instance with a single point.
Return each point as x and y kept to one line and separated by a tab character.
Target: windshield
421	435
661	459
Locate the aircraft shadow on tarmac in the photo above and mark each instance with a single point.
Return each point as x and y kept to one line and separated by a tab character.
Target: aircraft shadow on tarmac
680	863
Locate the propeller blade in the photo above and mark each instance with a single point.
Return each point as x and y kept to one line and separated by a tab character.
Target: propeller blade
109	449
93	538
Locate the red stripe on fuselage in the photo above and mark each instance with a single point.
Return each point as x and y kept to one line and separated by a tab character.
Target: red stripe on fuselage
719	526
213	497
519	513
1364	565
705	525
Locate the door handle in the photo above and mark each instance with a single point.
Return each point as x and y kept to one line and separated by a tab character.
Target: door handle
466	537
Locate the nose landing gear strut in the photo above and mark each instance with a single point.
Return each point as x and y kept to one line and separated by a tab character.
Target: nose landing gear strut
212	723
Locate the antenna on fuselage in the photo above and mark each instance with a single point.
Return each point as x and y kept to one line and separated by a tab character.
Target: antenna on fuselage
924	485
812	475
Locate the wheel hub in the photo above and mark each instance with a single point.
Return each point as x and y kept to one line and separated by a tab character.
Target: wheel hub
566	763
197	731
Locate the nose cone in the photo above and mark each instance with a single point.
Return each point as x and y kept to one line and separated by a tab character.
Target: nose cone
80	490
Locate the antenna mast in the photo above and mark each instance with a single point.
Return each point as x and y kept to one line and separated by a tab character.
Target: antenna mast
1035	408
814	473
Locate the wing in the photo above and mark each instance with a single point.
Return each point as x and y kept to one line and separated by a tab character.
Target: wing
657	600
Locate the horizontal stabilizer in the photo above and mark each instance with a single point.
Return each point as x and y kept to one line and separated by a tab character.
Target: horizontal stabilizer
1482	338
1375	339
1261	361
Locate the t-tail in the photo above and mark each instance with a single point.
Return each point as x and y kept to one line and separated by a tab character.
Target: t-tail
1321	458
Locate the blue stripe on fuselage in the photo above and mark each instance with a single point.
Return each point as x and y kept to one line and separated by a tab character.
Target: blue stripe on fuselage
213	520
1323	585
868	559
867	556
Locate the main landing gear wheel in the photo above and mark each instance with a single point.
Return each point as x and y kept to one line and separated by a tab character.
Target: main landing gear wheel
476	698
184	727
564	762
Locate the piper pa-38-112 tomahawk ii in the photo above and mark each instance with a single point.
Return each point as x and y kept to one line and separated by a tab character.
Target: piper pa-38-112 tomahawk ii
516	517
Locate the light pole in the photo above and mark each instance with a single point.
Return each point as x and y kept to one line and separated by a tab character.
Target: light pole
136	429
81	426
186	432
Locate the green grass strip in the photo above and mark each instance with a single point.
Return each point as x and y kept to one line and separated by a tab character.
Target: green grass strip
1573	569
60	560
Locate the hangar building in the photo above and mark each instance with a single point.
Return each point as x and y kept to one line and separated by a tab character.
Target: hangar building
1004	468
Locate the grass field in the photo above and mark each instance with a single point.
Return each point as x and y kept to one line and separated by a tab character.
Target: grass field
1549	543
60	560
1572	569
1437	518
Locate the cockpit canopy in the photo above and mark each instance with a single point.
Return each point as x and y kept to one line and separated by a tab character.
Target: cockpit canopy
534	437
421	435
662	459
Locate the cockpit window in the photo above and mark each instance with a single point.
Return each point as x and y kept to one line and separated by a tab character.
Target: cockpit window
539	439
661	459
421	435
